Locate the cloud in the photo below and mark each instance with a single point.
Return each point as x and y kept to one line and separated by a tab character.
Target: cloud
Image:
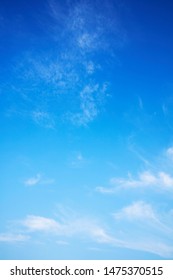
91	98
141	225
124	235
78	226
43	119
63	90
169	153
90	25
38	223
105	190
86	41
33	180
138	210
138	152
165	110
62	242
165	180
77	160
144	229
68	225
143	212
38	179
141	106
156	247
9	237
88	106
63	83
90	67
146	179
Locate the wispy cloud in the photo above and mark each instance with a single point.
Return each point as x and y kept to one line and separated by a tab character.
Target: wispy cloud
88	25
33	180
38	179
9	237
140	154
146	179
62	242
77	160
43	119
143	225
91	98
169	153
90	67
63	83
153	246
156	238
79	226
38	223
141	106
136	217
165	109
144	213
137	210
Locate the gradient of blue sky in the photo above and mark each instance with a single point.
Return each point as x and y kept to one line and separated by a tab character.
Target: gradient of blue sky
86	129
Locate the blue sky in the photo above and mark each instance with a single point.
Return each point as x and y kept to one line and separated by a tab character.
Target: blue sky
86	129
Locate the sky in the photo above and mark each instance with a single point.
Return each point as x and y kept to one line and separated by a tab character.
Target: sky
86	129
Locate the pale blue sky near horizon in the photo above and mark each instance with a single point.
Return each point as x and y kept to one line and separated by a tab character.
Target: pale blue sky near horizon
86	129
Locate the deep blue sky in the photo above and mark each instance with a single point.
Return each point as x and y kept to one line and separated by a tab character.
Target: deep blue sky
86	129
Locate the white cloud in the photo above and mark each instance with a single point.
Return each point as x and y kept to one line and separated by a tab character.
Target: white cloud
33	180
77	160
165	109
149	245
57	85
62	242
43	119
38	223
141	106
81	227
90	67
86	30
90	26
146	179
9	237
88	228
38	179
101	235
69	225
91	98
144	230
165	180
85	41
138	210
88	104
169	153
105	190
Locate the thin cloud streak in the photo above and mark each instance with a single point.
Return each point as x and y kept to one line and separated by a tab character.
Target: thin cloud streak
169	153
89	229
9	237
139	215
67	228
69	225
146	179
33	180
38	180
